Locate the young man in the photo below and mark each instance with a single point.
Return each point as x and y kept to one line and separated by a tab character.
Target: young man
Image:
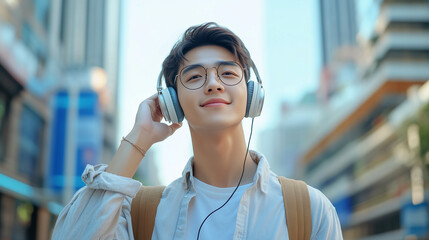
209	69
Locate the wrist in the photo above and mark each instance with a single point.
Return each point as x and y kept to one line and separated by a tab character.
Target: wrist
141	150
139	138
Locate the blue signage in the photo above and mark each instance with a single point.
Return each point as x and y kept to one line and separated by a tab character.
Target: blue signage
58	141
88	135
415	219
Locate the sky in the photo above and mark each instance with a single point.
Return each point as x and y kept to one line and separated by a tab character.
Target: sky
282	37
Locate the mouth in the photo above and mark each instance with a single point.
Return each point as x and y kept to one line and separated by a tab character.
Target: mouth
215	102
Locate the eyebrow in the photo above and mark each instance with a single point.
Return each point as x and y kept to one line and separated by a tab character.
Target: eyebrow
193	66
190	68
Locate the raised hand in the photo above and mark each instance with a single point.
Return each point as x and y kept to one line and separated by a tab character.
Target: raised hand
146	131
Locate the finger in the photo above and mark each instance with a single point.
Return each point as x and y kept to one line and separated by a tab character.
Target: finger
155	101
173	127
156	112
157	116
152	101
155	109
165	130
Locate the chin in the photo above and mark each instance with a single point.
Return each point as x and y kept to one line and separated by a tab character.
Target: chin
215	123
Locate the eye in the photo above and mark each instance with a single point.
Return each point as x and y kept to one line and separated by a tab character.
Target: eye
229	74
194	78
230	71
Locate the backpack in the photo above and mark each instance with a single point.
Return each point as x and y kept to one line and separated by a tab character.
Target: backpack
296	200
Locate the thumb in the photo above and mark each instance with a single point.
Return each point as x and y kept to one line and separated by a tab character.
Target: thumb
173	127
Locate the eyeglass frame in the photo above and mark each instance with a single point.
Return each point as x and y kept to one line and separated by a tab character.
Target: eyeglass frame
159	87
206	69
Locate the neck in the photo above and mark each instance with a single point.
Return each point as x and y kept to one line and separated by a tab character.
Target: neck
219	156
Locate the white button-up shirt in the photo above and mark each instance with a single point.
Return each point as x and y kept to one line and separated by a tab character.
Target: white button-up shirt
101	210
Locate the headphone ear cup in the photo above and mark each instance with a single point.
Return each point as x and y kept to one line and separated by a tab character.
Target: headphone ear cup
255	99
170	105
250	86
179	115
163	105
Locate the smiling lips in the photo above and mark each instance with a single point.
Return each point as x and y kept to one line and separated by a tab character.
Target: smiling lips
214	102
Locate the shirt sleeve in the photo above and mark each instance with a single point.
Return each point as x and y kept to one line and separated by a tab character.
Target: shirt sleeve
325	222
101	209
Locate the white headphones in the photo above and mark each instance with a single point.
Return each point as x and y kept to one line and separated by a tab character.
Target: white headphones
172	111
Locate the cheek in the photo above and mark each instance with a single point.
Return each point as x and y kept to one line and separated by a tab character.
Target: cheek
185	99
244	93
241	101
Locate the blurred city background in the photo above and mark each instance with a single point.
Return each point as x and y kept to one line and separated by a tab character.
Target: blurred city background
346	109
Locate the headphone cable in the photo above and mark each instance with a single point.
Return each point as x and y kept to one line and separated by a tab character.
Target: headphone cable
242	173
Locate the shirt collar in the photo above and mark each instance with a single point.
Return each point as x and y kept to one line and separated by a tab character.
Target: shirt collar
261	178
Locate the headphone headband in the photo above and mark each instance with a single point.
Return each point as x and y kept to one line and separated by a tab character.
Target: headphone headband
255	70
159	83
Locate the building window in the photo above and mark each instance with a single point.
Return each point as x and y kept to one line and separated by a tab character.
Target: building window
63	21
33	41
41	11
4	106
31	145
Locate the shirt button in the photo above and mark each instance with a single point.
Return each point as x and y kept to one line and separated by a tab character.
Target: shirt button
180	228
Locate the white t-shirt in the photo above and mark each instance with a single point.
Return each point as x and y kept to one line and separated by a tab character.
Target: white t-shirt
207	199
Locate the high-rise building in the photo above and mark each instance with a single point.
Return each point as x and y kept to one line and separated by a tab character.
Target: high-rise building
26	69
48	50
89	36
338	26
358	156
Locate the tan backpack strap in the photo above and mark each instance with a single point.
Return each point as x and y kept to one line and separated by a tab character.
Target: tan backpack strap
143	211
298	208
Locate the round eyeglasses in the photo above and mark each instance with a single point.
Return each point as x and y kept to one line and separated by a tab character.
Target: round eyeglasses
194	76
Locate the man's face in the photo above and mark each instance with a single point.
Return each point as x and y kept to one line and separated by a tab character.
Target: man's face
215	105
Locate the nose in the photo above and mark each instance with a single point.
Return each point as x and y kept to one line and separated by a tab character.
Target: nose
213	82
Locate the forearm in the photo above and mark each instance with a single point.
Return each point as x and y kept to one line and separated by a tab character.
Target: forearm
127	158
